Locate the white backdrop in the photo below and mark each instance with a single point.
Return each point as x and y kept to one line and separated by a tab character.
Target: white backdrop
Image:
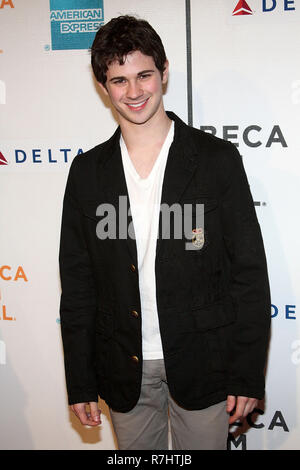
246	88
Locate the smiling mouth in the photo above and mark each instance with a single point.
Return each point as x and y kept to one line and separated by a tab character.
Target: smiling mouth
137	106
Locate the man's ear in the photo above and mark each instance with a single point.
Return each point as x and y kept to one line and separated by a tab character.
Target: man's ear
103	88
165	74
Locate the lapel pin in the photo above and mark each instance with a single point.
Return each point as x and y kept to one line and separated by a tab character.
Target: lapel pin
198	237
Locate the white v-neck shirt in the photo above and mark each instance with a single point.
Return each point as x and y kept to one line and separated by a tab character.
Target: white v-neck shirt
145	198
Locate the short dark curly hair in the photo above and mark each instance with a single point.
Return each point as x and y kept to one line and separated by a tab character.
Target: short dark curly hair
119	37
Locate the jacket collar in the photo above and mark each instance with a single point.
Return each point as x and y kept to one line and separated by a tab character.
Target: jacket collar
181	135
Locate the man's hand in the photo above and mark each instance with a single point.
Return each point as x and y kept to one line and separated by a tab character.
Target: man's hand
243	406
89	419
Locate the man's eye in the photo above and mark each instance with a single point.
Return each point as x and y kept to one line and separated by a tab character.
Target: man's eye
146	75
120	80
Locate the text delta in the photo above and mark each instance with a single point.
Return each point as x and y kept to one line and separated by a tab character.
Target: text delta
40	156
270	5
289	311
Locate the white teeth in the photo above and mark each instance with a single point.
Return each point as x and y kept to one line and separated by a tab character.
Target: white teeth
137	105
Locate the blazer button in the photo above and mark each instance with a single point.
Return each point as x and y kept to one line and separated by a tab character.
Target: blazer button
133	268
135	359
134	313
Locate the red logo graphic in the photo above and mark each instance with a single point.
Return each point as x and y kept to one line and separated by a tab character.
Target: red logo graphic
242	8
3	160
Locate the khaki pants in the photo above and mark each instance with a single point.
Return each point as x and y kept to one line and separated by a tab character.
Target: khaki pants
145	427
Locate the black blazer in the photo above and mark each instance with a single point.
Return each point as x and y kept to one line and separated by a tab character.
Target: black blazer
213	303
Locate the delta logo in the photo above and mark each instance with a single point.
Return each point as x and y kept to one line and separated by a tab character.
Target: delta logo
243	8
3	160
74	23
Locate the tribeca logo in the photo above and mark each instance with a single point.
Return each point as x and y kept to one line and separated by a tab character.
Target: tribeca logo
8	3
74	23
5	315
249	135
193	226
242	8
235	439
19	273
15	276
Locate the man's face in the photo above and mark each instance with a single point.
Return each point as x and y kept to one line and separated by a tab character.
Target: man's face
135	88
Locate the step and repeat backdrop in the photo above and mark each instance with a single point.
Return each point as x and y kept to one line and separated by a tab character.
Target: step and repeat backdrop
234	72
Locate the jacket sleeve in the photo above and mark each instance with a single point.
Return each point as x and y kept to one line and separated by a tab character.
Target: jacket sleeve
78	299
249	284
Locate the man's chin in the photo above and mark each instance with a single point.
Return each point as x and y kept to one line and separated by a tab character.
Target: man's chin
138	120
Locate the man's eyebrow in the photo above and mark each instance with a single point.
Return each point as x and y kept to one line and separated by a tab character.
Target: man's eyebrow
145	71
138	74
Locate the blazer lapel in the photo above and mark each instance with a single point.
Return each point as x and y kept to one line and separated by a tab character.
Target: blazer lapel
180	167
112	182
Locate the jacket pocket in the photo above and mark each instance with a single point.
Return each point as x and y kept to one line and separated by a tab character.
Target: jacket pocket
206	203
208	317
214	326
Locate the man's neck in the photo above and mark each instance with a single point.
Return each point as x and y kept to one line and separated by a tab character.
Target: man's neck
152	132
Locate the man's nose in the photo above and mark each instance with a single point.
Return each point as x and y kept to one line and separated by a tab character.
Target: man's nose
134	90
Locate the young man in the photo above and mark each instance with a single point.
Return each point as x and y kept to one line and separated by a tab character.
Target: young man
148	324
